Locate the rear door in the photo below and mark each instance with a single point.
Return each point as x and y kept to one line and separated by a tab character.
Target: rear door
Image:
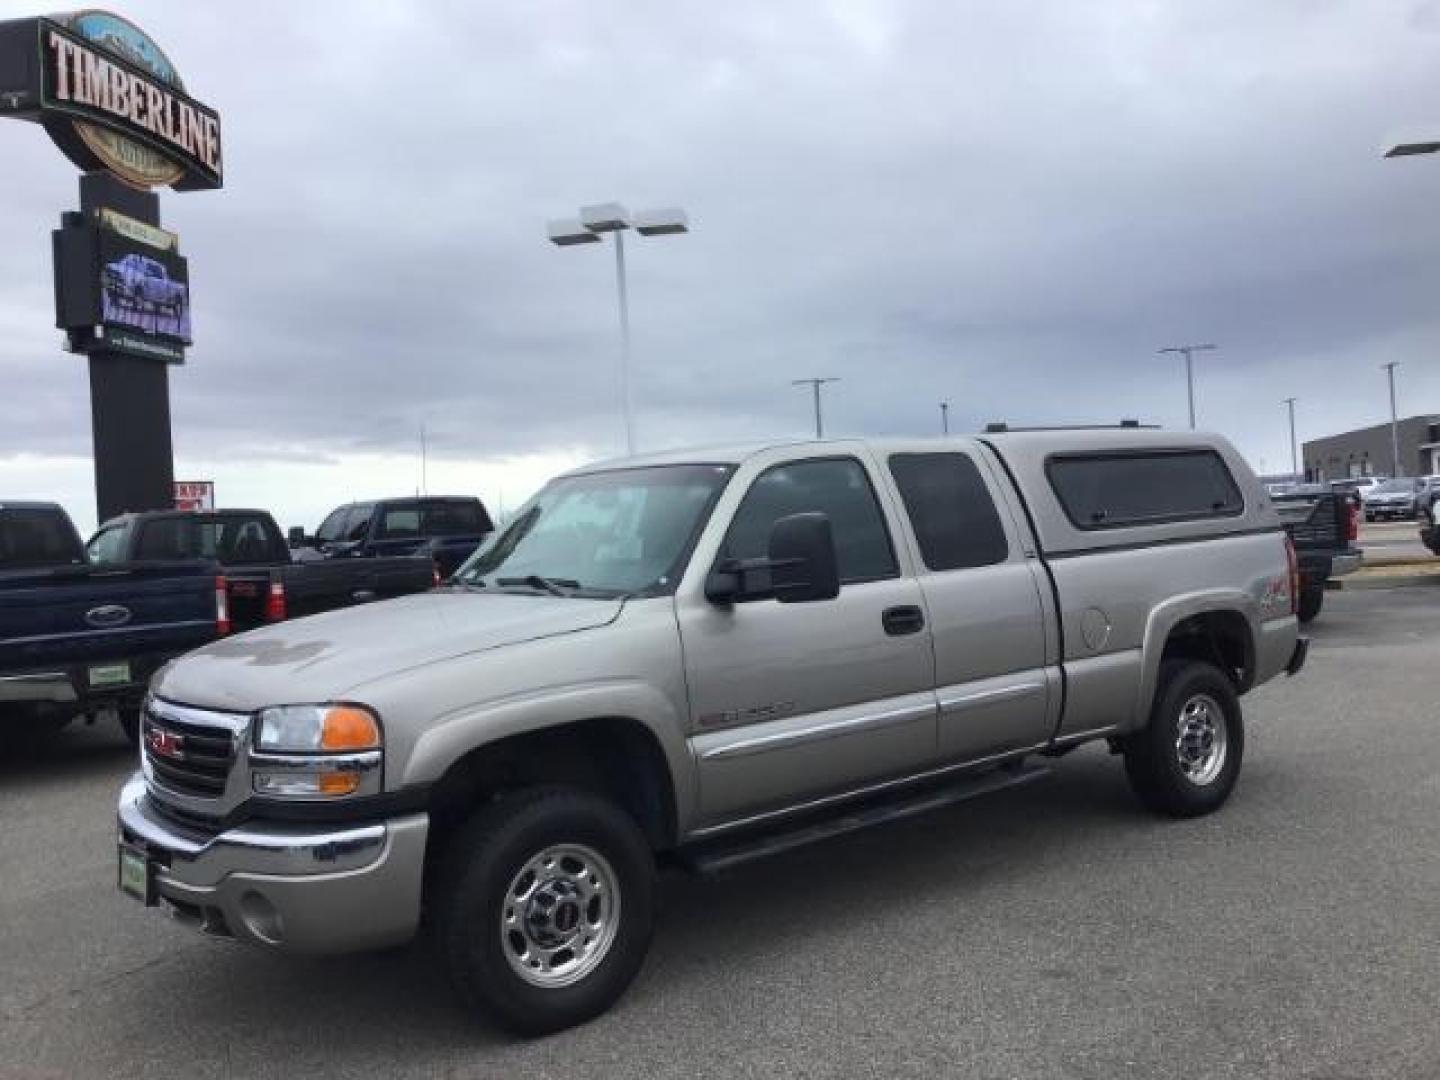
983	595
795	701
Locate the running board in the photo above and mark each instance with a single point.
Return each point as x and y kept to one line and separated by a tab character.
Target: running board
719	855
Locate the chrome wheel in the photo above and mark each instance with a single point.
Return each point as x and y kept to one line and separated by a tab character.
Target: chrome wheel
560	915
1200	740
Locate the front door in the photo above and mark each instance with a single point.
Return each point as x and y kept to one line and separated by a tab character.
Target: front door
794	702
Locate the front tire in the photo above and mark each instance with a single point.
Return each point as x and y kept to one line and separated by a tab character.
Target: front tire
544	908
1186	760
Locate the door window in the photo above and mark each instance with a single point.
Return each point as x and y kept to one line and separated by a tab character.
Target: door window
104	547
357	525
333	527
953	515
836	487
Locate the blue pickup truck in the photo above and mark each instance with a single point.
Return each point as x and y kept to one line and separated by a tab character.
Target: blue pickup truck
83	640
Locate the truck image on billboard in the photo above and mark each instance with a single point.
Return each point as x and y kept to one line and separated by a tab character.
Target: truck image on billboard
140	291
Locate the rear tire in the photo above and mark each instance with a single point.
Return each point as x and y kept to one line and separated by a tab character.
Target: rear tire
544	907
1186	760
1312	598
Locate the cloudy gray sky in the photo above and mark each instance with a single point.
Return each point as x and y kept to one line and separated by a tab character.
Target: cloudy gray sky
1009	206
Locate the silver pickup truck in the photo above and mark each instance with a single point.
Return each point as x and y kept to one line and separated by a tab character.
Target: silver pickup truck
709	656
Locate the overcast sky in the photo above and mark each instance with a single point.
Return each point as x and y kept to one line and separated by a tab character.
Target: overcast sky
1007	206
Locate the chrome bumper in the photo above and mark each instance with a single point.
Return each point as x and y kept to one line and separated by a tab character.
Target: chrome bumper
292	888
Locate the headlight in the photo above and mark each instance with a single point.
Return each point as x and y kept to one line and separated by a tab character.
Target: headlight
317	729
316	752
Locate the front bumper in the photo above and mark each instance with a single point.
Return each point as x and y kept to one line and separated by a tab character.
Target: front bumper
294	888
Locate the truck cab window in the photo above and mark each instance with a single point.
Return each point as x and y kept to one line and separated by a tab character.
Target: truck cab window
954	517
401	524
836	487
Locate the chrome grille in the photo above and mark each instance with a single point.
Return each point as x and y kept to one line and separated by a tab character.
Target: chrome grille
189	751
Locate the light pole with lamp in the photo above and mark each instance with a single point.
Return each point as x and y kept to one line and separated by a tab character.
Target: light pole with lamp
1187	351
1394	423
815	385
944	418
1405	149
1294	457
589	228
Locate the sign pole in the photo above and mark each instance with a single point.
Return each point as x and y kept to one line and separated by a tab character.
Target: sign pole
129	395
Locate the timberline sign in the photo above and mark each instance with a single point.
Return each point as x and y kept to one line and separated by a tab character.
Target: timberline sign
110	98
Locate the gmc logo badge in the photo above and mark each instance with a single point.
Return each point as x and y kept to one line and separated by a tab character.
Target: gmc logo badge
165	743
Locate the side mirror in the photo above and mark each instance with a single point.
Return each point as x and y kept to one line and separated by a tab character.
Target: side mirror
803	565
295	536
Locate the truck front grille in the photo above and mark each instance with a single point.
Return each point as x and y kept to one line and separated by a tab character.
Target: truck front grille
185	752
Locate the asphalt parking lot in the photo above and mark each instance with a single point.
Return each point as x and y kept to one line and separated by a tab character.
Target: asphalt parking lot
1387	541
1052	931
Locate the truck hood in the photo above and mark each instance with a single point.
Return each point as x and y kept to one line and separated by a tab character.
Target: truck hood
323	657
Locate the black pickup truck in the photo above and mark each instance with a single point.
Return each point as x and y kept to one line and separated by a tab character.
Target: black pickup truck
265	584
79	639
1323	525
446	529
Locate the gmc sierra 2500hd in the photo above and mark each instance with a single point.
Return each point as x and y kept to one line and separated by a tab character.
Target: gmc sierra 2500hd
713	655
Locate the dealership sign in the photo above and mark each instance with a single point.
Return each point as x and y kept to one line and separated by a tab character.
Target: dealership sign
110	98
194	494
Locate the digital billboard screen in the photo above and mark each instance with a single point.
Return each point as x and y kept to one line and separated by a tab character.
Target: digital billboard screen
143	288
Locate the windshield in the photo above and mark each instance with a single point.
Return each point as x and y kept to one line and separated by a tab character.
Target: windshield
625	532
1394	485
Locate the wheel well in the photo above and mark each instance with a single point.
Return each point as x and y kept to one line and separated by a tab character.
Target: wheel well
615	757
1221	638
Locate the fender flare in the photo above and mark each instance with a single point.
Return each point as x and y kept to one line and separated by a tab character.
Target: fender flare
473	727
1162	622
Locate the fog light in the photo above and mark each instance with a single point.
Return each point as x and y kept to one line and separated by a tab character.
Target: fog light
294	783
262	918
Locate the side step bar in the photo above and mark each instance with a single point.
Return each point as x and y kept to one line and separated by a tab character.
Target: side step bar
715	856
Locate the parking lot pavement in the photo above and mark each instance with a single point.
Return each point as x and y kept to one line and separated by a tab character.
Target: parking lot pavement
1053	931
1393	540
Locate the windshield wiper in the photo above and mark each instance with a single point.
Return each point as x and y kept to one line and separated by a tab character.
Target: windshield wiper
553	586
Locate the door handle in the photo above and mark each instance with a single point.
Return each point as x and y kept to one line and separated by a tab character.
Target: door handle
905	619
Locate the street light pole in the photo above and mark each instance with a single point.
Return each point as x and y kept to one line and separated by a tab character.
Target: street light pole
1187	351
623	290
815	385
1394	422
944	418
589	228
1294	457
